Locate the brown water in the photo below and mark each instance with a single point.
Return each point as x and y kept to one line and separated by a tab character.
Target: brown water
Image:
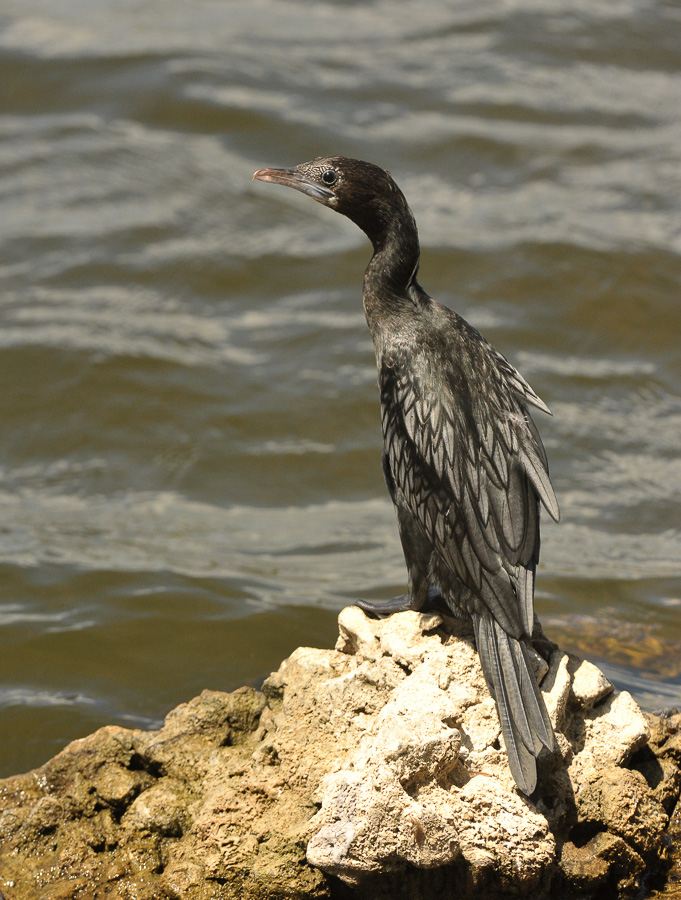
190	481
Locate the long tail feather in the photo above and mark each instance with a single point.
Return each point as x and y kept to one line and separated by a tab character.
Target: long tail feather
525	723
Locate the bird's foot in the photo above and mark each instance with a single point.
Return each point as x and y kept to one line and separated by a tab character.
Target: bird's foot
434	602
380	608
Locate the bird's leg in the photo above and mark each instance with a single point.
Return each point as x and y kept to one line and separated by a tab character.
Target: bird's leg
422	596
421	601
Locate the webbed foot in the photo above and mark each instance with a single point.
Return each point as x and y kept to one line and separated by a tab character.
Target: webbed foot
434	602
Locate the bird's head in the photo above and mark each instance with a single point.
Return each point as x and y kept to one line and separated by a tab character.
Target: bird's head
359	190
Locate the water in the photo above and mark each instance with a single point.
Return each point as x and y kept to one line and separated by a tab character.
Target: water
190	481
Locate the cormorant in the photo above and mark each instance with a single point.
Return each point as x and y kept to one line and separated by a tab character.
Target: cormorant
463	461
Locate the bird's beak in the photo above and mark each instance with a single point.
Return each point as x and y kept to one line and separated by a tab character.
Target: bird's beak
296	179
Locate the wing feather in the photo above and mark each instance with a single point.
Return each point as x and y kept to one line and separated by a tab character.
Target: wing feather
472	468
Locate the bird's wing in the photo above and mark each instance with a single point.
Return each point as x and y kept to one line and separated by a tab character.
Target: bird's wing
516	382
469	462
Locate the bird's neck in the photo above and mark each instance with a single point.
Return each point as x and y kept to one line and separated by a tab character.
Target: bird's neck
390	287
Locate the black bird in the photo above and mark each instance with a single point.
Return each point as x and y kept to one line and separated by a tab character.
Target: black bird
463	461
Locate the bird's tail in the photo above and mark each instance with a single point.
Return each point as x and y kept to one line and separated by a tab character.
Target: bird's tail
525	723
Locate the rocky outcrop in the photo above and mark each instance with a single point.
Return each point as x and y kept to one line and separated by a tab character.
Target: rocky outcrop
372	770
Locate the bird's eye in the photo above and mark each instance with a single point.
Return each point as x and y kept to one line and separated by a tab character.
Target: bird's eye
329	176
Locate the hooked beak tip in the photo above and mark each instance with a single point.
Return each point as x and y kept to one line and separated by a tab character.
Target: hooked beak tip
295	179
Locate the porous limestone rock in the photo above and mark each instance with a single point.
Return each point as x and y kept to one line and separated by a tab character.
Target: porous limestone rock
374	770
426	782
378	809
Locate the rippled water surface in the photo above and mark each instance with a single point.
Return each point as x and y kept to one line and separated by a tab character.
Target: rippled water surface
190	481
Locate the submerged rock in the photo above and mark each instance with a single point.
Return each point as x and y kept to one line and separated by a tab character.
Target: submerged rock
372	770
